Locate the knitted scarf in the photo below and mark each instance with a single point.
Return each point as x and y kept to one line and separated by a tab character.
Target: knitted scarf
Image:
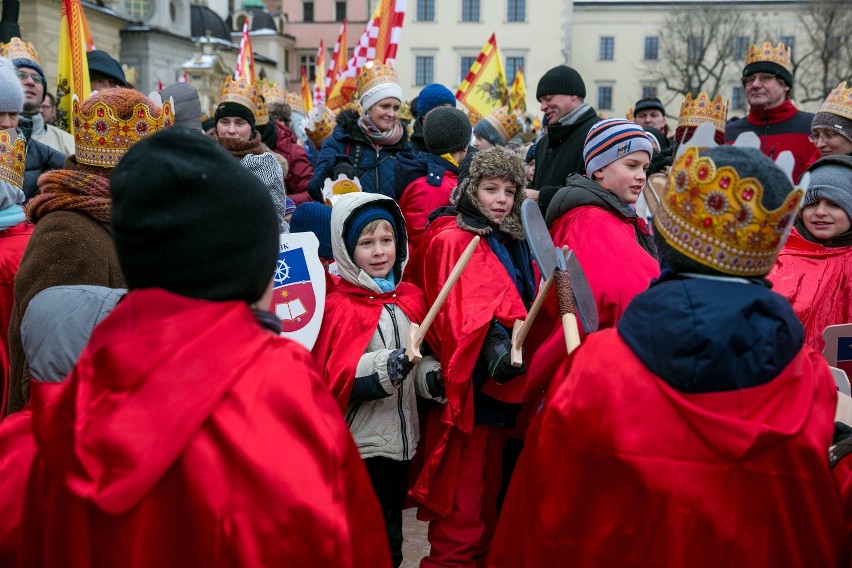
241	148
69	190
379	137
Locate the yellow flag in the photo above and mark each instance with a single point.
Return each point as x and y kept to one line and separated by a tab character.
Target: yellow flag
484	87
307	99
72	76
518	94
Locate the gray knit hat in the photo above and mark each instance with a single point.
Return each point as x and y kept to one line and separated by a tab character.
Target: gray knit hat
11	92
446	130
267	169
187	105
831	178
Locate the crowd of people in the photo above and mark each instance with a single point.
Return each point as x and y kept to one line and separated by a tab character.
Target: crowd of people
154	415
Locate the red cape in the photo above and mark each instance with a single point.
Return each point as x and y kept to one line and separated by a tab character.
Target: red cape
13	242
348	323
621	469
17	451
484	291
816	280
617	269
188	436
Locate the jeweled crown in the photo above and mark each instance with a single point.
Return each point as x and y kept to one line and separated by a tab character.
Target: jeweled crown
373	74
712	216
239	91
16	48
765	52
505	122
295	102
101	138
319	124
839	101
629	116
261	113
13	158
271	92
701	109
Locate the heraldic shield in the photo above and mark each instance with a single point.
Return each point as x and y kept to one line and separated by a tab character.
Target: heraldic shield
298	297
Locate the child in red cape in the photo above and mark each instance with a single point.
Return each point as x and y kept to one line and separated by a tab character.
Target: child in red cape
695	433
814	269
361	347
190	433
459	485
594	217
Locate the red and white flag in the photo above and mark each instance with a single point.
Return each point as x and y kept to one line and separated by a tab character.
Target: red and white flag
338	58
245	57
319	76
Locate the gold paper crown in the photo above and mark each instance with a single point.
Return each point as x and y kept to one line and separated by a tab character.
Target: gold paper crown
320	124
101	138
697	111
13	158
629	115
839	102
295	102
779	55
504	122
261	113
270	92
710	215
373	74
17	48
239	91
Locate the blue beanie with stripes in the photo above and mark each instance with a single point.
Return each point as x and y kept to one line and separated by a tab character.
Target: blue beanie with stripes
609	140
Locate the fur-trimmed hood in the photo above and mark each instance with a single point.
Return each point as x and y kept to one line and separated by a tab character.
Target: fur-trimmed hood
496	162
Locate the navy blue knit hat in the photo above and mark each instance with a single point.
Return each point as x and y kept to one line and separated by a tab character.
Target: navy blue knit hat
433	96
360	219
312	217
101	62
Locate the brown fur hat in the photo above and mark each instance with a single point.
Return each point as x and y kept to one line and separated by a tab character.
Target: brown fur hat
496	162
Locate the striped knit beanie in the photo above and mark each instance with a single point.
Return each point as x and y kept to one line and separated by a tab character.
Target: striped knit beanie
609	140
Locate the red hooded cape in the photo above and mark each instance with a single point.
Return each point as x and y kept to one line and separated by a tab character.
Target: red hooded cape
17	451
484	291
348	323
13	242
189	436
621	469
816	280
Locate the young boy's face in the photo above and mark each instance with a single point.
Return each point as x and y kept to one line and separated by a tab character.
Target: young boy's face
825	220
497	197
375	252
625	177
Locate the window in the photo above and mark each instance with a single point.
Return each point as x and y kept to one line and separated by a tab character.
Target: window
652	48
649	91
470	10
607	48
605	98
516	11
424	67
309	62
738	98
426	10
466	63
512	66
694	49
339	11
138	9
307	11
741	45
790	42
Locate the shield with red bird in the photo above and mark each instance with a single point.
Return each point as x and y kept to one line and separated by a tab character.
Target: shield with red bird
298	288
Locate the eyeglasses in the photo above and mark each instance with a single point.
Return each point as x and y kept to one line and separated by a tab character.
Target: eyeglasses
826	136
35	77
763	77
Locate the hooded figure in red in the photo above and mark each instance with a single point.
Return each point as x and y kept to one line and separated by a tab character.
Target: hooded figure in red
696	432
190	433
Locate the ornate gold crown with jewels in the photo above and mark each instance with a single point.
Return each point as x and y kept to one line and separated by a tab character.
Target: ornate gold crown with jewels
839	101
239	91
319	124
505	122
101	138
16	48
701	109
373	74
294	100
779	55
271	92
261	113
712	216
13	158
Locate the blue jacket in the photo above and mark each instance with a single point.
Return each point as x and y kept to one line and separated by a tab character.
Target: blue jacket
375	170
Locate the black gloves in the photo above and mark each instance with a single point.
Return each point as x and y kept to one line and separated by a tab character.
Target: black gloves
496	349
435	384
398	366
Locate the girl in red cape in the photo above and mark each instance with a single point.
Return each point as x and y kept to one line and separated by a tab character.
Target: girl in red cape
458	487
695	433
362	342
814	269
190	433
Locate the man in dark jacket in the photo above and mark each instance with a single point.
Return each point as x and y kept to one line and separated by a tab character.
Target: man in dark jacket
561	92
